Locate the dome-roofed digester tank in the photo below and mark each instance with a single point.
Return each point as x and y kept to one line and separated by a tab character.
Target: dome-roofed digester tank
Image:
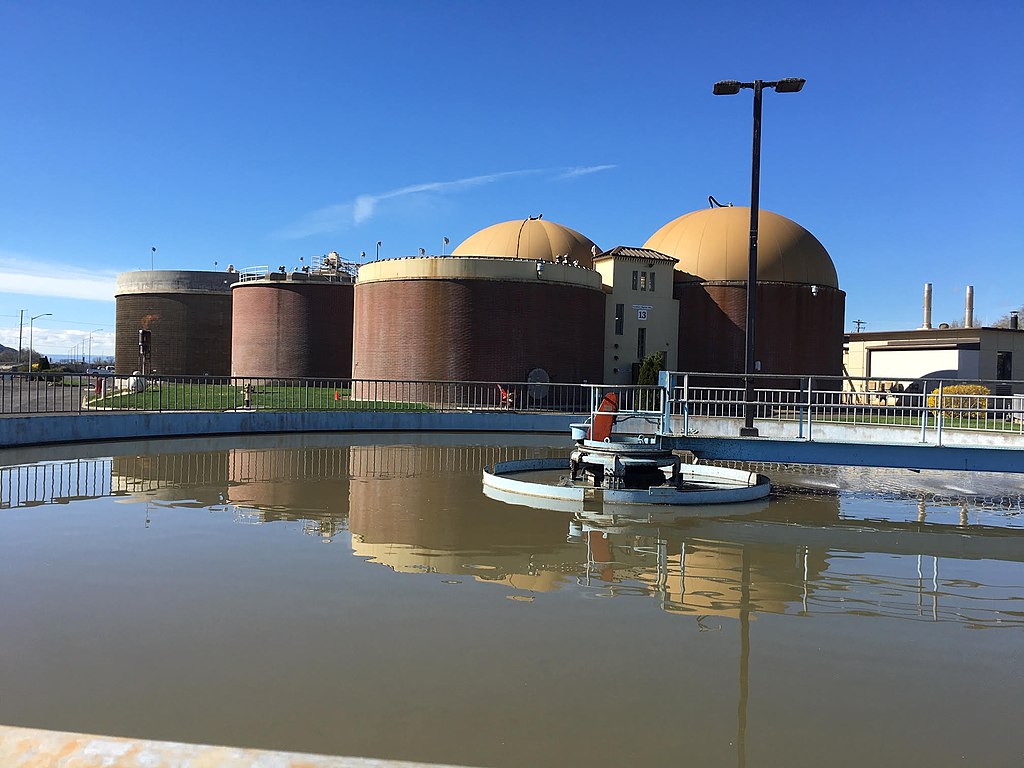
800	308
188	314
514	297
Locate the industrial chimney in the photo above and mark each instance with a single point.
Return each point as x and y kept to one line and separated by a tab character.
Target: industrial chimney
927	306
1013	321
969	308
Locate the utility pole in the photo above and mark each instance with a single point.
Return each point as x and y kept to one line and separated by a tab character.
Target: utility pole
21	331
860	324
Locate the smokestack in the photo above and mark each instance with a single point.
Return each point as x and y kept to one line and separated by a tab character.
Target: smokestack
1013	321
927	306
969	308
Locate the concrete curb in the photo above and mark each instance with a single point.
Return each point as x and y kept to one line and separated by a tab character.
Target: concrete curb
32	748
18	431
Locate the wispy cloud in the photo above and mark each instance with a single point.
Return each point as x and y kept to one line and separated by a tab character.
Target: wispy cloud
36	277
55	341
583	170
332	218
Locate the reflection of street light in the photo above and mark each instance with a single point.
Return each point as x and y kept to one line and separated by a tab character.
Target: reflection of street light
31	321
730	88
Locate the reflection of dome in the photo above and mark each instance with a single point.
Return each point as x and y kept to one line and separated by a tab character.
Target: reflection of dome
533	239
714	244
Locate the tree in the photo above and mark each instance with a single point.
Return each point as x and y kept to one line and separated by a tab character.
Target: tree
1004	321
648	377
650	369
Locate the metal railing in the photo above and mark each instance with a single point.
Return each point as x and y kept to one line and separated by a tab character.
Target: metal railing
930	405
41	393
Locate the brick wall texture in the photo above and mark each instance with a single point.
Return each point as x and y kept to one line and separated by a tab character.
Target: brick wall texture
796	332
191	333
292	330
477	330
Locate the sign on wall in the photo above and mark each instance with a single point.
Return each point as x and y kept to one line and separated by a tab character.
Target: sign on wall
642	310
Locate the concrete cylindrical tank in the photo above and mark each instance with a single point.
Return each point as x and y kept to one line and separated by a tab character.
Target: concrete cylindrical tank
292	326
189	315
799	307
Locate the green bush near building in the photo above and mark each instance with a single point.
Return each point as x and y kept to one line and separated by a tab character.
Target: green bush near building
960	401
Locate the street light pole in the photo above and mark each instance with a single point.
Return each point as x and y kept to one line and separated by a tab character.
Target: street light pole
729	88
21	333
31	322
97	330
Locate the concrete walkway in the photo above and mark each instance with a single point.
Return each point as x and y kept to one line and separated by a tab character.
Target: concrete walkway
32	748
95	427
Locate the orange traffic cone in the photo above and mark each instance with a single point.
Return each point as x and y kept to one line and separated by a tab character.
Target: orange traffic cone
337	395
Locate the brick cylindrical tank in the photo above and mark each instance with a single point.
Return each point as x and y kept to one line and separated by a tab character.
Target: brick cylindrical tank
292	326
188	314
514	299
798	330
478	319
799	308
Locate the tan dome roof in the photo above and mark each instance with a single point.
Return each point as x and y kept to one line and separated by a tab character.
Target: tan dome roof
534	239
714	244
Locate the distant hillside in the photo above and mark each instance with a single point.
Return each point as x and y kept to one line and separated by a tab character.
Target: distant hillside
8	352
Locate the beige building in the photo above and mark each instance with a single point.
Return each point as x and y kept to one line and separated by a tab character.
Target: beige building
909	357
641	316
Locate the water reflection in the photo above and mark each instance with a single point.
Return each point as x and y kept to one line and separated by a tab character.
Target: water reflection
419	509
802	610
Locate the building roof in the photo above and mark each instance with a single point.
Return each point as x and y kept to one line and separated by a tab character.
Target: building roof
714	244
533	239
641	254
918	336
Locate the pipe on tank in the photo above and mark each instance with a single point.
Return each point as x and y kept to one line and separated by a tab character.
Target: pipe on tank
969	308
927	306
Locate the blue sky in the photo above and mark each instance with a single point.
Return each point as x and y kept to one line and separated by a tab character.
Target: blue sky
255	133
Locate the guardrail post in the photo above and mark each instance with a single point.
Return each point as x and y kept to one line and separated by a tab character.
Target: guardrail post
924	412
810	407
666	380
800	428
686	403
939	418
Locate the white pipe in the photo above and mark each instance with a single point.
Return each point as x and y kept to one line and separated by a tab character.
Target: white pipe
927	306
969	308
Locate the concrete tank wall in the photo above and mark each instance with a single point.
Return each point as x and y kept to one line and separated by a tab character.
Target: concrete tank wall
797	331
477	330
292	328
189	314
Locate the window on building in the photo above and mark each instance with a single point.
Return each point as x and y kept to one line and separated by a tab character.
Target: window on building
641	343
620	312
636	278
643	281
1004	366
650	285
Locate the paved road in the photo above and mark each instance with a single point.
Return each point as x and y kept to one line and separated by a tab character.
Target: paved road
22	396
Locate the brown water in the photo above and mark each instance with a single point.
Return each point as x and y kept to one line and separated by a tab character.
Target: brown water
360	595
